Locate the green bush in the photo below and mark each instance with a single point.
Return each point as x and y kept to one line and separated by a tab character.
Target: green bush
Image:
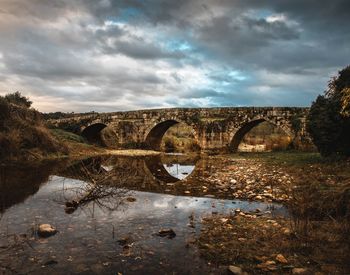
327	122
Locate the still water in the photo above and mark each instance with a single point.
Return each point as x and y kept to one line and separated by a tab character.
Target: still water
120	204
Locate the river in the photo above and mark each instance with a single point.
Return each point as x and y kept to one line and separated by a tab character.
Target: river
108	212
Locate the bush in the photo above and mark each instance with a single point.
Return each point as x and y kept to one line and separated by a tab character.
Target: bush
169	145
328	122
17	99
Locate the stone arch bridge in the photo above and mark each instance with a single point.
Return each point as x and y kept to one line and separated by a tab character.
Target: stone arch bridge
213	128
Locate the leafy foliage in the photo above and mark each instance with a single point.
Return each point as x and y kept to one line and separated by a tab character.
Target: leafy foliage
328	121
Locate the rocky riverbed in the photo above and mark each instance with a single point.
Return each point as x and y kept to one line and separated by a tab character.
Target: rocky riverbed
238	178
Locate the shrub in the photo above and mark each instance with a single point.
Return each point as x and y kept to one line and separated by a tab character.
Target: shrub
328	122
169	145
17	99
193	146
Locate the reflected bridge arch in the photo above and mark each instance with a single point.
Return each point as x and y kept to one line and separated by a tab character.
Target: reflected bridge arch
157	166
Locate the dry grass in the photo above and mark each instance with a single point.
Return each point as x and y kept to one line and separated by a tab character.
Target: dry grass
253	243
318	221
23	135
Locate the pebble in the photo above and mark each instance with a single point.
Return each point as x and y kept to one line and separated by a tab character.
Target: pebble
46	230
280	258
130	199
169	233
235	270
299	270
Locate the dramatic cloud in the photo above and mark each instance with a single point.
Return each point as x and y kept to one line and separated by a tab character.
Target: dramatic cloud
108	55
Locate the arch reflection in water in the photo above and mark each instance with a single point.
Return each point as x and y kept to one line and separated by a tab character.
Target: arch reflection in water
171	167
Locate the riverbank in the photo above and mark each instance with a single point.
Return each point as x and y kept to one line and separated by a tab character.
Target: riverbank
312	239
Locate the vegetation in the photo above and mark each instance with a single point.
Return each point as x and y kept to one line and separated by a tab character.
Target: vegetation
60	115
265	137
315	234
329	121
63	135
179	138
24	135
22	132
17	99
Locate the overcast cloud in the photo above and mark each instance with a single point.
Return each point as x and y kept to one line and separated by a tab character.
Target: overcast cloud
109	55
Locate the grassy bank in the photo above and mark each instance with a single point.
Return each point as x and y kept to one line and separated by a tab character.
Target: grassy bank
23	135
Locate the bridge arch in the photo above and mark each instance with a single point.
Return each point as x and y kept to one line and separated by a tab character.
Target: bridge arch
247	126
153	137
93	132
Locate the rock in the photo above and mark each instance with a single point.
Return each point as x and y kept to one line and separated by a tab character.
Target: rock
46	230
71	206
168	232
130	199
124	241
187	192
235	270
267	266
50	262
280	258
72	203
258	197
69	210
233	181
299	270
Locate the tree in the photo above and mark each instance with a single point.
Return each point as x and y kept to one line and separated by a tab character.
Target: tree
329	119
18	99
345	101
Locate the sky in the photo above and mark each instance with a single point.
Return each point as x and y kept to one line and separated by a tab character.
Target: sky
112	55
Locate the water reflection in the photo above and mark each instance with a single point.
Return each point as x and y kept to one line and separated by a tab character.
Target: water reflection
97	203
171	168
18	182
